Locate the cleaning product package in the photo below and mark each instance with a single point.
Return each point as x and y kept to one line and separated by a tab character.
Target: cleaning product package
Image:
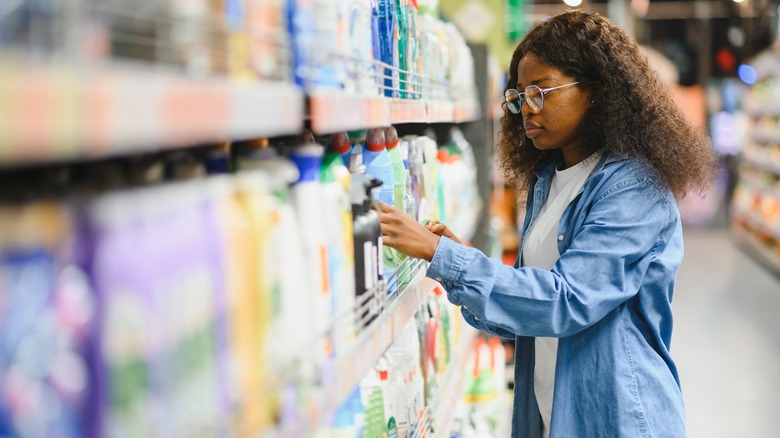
47	318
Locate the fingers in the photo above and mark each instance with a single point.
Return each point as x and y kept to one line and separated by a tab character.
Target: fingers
385	208
437	229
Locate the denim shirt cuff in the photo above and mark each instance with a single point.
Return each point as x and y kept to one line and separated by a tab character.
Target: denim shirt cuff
447	265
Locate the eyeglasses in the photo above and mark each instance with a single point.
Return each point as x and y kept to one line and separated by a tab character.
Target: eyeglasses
533	95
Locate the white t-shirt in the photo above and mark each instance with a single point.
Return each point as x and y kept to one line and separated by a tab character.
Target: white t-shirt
540	250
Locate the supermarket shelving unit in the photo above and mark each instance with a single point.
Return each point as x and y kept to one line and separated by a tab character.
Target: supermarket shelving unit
59	112
69	112
756	212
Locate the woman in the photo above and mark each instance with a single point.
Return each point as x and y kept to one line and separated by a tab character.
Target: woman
603	152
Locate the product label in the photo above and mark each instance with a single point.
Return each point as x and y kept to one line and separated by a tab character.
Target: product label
392	428
376	261
324	267
380	260
368	262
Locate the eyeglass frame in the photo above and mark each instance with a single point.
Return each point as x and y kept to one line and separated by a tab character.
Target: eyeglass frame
523	99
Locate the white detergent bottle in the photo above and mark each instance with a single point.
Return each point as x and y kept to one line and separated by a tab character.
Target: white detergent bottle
307	198
337	217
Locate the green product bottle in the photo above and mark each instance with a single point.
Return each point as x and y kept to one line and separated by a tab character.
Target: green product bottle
399	171
402	41
375	415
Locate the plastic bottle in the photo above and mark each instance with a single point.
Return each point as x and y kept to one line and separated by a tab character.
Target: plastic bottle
217	159
387	46
337	213
344	425
378	164
288	260
397	161
367	242
429	151
402	44
390	397
339	143
307	200
361	44
373	399
411	193
417	174
357	140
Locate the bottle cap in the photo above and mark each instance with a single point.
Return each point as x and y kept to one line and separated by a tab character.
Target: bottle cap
376	140
308	159
391	138
339	142
306	138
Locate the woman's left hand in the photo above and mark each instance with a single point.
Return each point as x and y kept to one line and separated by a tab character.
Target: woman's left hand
402	232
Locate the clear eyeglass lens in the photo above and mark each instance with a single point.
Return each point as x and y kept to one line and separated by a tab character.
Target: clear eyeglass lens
535	97
513	101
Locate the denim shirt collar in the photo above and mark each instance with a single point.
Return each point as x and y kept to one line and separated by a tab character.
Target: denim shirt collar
547	168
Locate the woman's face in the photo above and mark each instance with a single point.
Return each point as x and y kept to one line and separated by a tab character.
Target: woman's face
557	124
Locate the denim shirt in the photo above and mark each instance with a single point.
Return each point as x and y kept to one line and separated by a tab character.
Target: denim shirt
608	299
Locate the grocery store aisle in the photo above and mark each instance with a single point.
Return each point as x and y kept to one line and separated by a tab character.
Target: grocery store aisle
727	327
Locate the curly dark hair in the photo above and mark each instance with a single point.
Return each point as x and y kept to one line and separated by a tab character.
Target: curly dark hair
632	116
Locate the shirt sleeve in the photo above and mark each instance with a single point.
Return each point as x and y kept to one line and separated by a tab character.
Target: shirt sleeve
603	267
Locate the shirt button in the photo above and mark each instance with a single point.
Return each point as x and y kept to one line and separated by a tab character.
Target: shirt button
476	319
560	238
438	279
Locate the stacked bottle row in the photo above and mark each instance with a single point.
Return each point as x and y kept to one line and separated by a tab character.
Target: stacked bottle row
198	307
392	48
392	400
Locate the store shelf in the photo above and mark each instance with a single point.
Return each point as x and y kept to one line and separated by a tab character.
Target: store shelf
759	250
755	222
766	166
439	112
496	111
466	112
766	137
68	112
408	111
438	418
764	109
333	111
349	368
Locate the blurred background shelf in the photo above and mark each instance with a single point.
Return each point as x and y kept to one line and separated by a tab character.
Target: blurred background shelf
759	248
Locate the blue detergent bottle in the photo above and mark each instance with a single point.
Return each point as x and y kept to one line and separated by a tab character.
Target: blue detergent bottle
378	164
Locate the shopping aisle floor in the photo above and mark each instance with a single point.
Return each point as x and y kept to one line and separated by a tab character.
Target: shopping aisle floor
727	339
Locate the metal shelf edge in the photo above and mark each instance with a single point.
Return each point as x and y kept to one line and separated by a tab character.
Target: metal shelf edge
351	368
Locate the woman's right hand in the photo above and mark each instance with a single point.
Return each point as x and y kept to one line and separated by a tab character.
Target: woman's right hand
440	229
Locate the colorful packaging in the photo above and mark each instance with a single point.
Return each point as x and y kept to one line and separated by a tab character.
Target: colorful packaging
388	46
152	251
47	315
